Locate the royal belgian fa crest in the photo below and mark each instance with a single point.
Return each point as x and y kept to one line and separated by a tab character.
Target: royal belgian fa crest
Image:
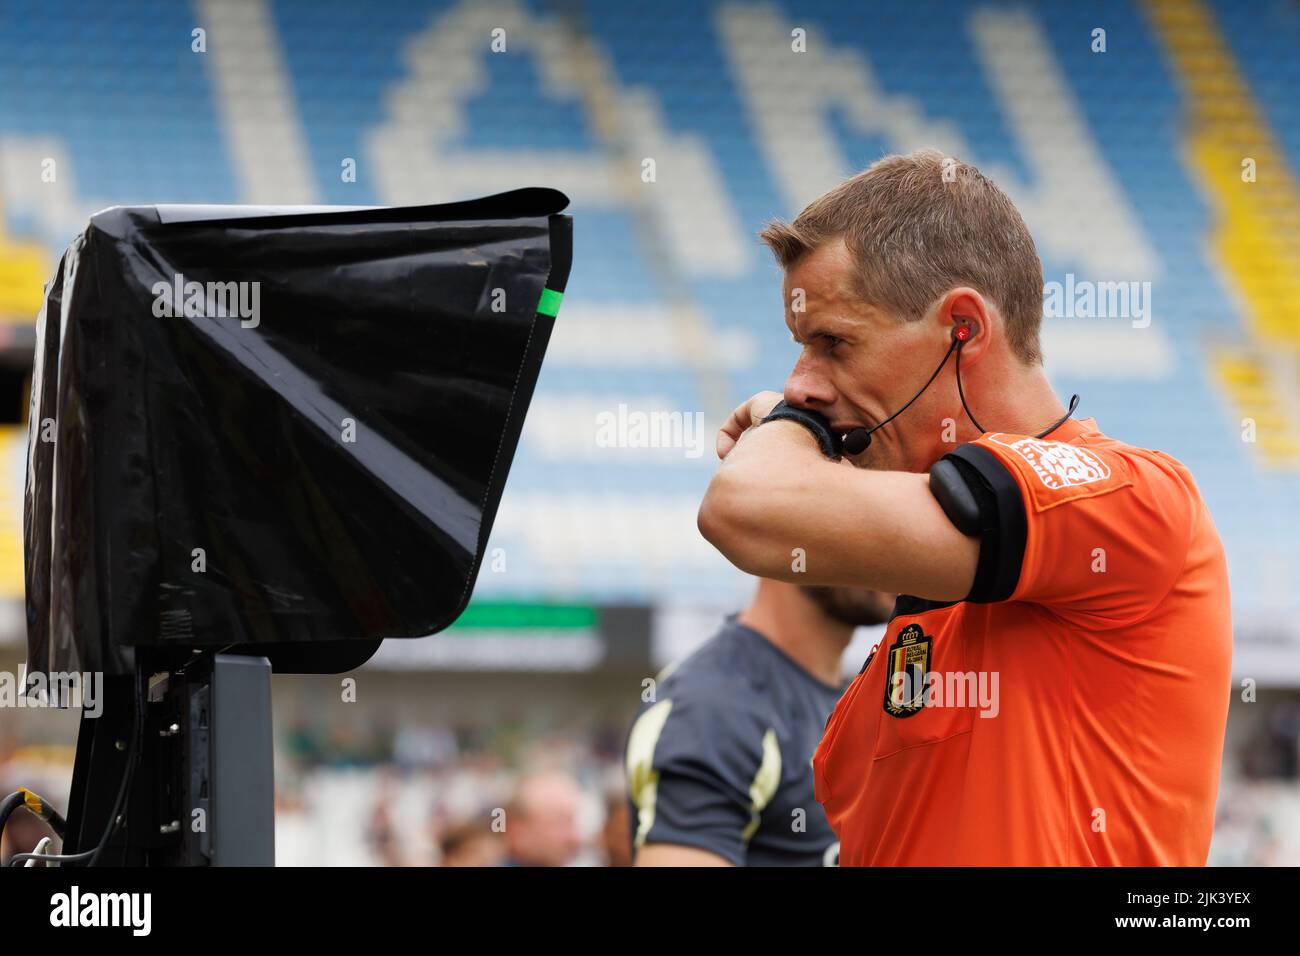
905	669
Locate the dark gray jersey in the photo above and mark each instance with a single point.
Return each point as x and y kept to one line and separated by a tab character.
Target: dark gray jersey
721	760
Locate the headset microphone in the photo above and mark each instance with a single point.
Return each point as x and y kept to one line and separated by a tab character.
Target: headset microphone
858	440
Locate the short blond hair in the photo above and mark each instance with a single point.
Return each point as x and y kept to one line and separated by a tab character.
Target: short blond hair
919	225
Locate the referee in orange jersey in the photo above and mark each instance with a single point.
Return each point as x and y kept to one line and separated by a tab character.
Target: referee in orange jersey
1053	686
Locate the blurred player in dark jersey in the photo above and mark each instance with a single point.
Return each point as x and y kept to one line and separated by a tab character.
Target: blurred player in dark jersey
718	764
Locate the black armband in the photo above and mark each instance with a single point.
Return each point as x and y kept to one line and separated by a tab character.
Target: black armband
953	491
982	499
815	422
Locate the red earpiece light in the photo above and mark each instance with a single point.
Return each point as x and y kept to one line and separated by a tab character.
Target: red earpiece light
962	333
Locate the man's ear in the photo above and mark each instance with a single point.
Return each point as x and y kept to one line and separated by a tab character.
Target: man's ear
966	306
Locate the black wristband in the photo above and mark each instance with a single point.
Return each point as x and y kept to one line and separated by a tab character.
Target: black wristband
815	422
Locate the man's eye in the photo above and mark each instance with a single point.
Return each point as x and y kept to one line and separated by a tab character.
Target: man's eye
831	341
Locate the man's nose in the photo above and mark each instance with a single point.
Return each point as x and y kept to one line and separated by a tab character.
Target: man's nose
807	388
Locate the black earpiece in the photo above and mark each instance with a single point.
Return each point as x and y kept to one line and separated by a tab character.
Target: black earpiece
858	440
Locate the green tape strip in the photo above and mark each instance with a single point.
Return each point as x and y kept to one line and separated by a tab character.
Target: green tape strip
550	302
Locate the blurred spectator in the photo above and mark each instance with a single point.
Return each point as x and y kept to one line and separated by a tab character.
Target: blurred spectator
1273	750
381	833
471	843
1284	729
542	820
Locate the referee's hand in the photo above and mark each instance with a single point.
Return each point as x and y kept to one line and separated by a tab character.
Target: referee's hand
746	415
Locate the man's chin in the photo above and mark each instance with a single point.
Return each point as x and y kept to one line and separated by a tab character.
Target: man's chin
856	607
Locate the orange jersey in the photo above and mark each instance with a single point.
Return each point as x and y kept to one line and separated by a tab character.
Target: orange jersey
1071	710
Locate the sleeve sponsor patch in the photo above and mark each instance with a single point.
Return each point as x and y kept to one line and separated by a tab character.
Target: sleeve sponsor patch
1063	472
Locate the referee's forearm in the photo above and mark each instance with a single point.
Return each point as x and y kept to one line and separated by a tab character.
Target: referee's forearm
755	510
778	509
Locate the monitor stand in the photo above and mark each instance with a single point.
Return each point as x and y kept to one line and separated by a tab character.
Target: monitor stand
203	790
